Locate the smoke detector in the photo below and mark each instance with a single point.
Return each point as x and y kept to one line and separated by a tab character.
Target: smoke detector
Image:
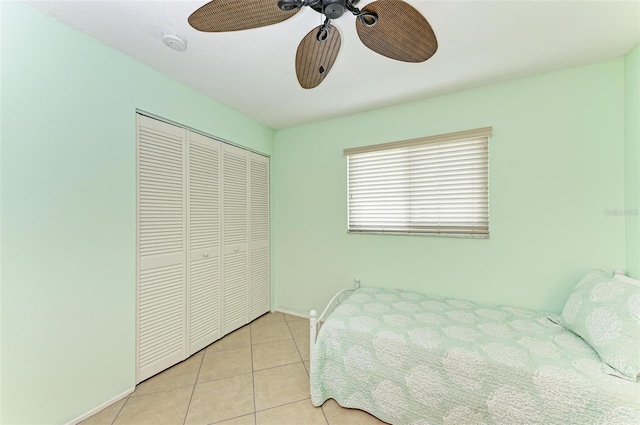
174	41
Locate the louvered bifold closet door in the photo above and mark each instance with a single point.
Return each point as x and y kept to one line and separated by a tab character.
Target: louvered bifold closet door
204	241
161	247
235	285
259	235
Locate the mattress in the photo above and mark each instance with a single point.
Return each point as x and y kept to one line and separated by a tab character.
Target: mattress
412	359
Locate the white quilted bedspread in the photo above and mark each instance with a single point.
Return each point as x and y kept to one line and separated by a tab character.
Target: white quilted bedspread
410	359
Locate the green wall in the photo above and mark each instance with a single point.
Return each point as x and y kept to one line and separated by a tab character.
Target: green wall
68	210
632	159
556	166
0	214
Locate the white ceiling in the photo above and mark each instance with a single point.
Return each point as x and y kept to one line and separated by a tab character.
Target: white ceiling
253	71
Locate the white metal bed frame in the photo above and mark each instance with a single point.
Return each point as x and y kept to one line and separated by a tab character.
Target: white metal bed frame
315	321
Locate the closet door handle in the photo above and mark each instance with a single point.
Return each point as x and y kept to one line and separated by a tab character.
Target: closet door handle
205	254
235	249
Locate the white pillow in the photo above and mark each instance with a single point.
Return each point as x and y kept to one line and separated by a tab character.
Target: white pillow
605	312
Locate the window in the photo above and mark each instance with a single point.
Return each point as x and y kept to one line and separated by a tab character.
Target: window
435	185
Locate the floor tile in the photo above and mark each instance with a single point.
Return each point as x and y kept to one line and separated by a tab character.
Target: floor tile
268	319
292	318
225	363
338	415
276	353
161	408
299	327
238	338
221	399
301	412
106	415
243	420
270	332
180	375
302	343
307	366
274	347
280	385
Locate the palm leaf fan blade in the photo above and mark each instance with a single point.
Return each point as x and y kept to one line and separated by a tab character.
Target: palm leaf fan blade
237	15
316	55
400	33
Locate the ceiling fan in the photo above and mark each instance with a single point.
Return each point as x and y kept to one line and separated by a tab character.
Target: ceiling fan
392	28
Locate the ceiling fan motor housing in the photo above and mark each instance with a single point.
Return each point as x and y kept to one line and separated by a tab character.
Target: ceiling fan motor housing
333	9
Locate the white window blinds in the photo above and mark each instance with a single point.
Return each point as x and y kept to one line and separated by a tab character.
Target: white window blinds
429	186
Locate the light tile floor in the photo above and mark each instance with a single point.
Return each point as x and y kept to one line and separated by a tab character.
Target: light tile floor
257	375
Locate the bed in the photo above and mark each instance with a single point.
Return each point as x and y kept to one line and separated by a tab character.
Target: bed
413	359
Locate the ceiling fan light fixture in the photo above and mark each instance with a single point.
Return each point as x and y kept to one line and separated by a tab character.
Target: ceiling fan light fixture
174	42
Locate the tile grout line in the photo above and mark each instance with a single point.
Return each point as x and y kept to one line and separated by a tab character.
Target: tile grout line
280	365
274	341
324	414
132	395
253	371
193	390
120	410
253	378
273	367
284	404
226	377
295	343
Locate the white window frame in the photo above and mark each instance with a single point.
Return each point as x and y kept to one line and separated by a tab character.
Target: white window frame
430	186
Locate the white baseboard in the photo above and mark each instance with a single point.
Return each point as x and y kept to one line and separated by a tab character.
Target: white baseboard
102	406
291	313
